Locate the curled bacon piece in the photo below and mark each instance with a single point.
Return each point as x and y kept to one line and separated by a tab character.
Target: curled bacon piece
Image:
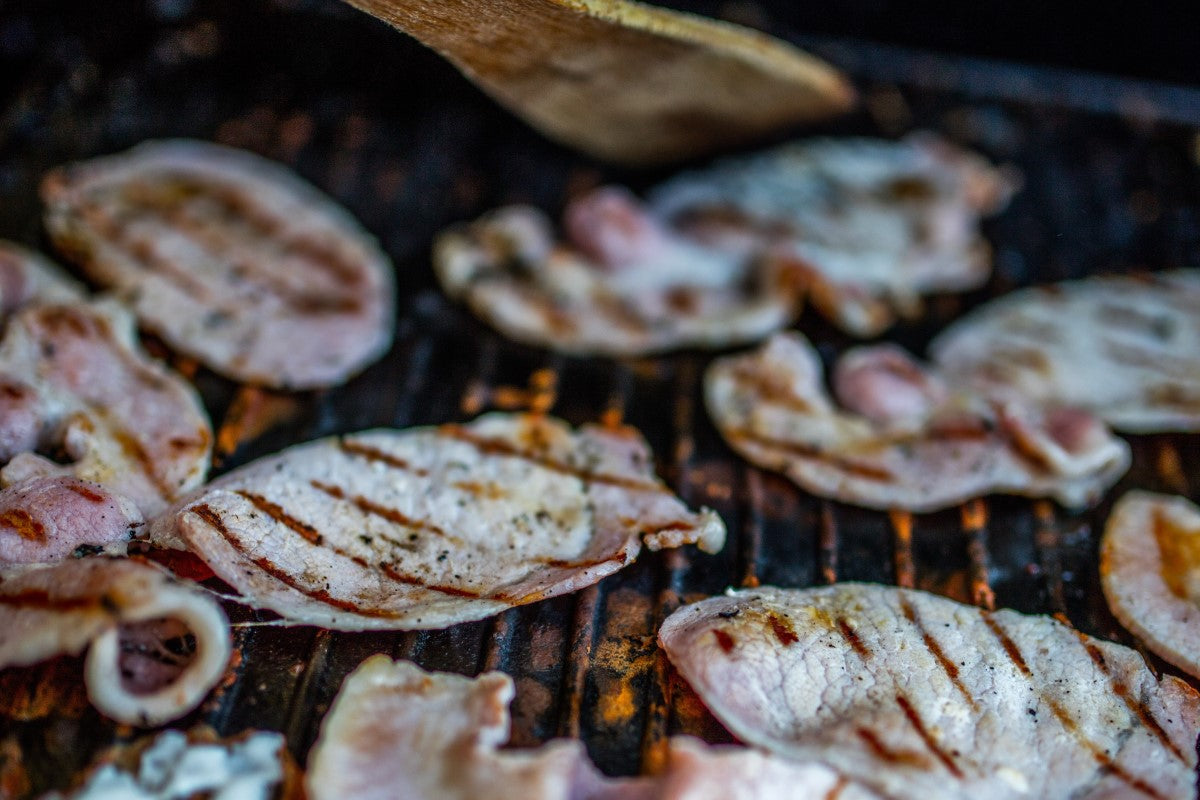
899	435
155	647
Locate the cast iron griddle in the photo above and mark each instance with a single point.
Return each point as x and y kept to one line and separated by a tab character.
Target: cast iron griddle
1111	184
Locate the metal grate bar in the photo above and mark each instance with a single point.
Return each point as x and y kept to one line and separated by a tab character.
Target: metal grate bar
827	544
1169	466
974	526
902	546
1046	541
579	659
675	563
752	529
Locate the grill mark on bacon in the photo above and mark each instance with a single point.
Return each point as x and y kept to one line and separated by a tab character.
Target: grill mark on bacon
133	448
950	668
502	448
379	456
918	724
836	792
213	519
802	450
1010	647
372	508
1121	690
314	537
1102	758
619	313
115	234
782	629
84	492
724	640
168	193
219	249
885	753
413	580
851	637
1064	718
23	523
277	513
1141	358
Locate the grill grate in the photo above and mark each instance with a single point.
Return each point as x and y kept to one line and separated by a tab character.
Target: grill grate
332	93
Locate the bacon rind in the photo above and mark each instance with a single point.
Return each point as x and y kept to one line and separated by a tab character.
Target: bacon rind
771	406
230	258
1144	552
83	603
428	527
1055	713
1123	347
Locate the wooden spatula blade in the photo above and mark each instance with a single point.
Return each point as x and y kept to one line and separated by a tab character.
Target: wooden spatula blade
625	82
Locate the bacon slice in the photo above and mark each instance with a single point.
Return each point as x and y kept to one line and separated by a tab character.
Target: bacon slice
622	284
396	730
1150	573
72	378
195	765
871	225
230	259
48	519
155	647
903	437
26	277
429	527
1126	348
914	695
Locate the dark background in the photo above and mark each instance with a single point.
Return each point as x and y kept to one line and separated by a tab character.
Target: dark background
1145	40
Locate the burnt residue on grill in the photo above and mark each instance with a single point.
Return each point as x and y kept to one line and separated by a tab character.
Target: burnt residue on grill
409	146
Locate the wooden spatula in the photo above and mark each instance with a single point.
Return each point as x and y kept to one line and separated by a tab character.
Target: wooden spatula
626	82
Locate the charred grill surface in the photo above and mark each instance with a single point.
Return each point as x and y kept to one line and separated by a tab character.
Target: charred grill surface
395	135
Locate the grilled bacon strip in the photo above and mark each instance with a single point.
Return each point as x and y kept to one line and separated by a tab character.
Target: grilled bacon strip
428	527
622	284
869	226
154	646
396	730
1150	573
915	695
72	378
1126	348
229	258
902	437
47	519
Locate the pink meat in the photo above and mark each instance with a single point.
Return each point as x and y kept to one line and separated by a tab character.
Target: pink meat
153	654
20	420
611	226
885	385
49	518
